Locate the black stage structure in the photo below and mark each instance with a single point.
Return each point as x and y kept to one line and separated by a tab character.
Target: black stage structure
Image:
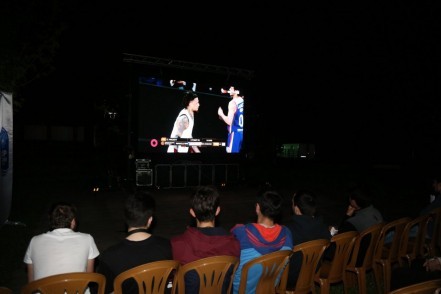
150	77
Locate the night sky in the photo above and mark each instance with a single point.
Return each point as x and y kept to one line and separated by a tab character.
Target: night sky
358	78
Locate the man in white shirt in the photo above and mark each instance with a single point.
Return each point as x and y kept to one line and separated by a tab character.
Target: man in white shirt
62	249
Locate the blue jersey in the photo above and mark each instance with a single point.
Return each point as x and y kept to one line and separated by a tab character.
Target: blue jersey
235	131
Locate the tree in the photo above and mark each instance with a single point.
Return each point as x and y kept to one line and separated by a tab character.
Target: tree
30	31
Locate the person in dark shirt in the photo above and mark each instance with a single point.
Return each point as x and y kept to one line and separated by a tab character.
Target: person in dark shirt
304	226
139	247
360	215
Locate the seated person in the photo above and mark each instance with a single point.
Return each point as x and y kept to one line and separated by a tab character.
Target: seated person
139	247
304	226
435	202
421	270
262	237
360	215
62	249
205	239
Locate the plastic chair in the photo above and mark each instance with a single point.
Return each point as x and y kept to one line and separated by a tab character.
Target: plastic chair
273	265
427	287
386	253
312	253
68	283
333	271
152	277
433	244
5	290
412	246
213	273
362	256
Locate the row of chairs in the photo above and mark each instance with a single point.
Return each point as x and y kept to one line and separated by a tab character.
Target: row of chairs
380	254
155	277
409	241
346	267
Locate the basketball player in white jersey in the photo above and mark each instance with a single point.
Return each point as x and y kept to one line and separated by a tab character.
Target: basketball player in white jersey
183	127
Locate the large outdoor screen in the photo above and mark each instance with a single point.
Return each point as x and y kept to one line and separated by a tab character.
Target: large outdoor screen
159	110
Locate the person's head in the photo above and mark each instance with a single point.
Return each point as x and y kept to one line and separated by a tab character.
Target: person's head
138	209
360	196
63	215
436	184
269	204
304	203
190	101
205	204
233	91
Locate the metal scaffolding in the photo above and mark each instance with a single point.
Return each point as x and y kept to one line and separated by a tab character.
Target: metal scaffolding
166	62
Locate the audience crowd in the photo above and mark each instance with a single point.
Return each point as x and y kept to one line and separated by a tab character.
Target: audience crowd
64	249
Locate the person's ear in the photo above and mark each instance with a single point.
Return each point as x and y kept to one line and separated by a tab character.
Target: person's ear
217	211
257	208
297	210
73	224
192	213
149	222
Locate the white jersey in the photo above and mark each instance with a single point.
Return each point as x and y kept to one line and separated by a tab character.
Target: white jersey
60	251
186	134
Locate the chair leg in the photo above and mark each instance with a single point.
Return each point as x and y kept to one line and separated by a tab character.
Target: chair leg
324	286
349	280
361	278
379	271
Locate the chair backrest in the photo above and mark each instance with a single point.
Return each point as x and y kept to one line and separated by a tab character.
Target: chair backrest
5	290
362	256
333	270
272	265
386	251
364	247
152	277
389	240
215	273
312	253
412	240
68	283
434	243
427	287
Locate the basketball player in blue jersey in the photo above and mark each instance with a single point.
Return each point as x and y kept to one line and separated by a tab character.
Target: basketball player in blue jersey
234	120
183	126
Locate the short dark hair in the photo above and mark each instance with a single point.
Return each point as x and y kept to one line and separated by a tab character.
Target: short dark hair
305	201
61	215
361	194
204	203
138	208
270	203
188	97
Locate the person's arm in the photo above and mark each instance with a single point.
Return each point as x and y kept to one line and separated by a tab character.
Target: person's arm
182	124
30	269
228	119
90	266
433	264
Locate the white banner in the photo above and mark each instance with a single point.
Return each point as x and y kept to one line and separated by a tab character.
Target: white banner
6	135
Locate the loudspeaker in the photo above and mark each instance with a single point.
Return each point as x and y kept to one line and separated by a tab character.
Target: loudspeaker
144	177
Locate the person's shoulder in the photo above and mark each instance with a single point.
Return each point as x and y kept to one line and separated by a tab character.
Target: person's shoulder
161	239
84	235
38	237
183	236
237	227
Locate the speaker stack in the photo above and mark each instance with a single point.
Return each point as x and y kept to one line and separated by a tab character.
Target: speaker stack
144	174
